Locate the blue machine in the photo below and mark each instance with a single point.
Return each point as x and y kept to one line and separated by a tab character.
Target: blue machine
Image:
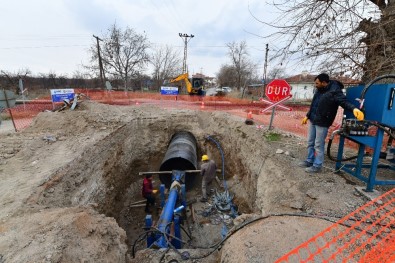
379	110
169	229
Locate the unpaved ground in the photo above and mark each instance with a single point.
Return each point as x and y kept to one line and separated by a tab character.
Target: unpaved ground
67	182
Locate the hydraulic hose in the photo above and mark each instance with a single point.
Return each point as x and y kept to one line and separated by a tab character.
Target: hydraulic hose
384	127
328	149
218	245
374	81
232	206
222	158
363	93
380	126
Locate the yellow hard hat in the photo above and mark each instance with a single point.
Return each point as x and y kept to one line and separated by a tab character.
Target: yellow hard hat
205	158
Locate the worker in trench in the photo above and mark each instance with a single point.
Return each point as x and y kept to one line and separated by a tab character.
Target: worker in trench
148	192
327	98
208	170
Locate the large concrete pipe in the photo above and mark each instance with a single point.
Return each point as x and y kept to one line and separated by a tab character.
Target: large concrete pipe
181	155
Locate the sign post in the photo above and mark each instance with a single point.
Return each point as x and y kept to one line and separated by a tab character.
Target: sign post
61	95
168	90
277	91
22	92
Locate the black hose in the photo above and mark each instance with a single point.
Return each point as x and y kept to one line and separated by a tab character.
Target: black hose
380	126
140	238
216	246
222	157
383	127
328	152
328	149
374	81
171	245
188	234
163	255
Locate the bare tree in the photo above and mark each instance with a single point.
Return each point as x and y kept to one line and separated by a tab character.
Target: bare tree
277	73
78	79
167	64
240	61
11	80
338	36
124	53
226	77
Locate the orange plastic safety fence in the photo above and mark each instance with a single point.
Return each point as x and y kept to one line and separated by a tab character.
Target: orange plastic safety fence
365	235
283	119
23	114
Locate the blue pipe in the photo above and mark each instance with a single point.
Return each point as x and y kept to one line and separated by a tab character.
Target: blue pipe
167	217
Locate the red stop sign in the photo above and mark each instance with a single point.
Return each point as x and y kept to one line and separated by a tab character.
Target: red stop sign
277	90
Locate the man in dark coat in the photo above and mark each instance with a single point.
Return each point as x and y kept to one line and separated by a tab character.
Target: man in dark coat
323	109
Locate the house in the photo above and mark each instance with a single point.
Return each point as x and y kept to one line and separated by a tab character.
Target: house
209	82
302	85
255	90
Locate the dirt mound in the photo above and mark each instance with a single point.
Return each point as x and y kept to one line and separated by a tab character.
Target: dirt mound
69	179
63	235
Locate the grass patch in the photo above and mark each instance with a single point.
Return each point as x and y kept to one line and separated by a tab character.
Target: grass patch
272	136
5	116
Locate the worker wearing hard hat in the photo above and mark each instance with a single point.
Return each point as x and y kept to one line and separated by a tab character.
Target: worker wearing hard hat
323	109
148	192
208	169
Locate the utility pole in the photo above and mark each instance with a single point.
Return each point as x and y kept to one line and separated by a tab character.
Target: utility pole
185	38
265	70
102	76
265	66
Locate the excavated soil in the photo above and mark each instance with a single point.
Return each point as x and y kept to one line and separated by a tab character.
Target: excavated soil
68	182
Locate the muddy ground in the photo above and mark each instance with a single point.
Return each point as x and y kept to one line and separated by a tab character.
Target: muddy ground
68	180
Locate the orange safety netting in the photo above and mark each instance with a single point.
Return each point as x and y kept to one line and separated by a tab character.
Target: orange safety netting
365	235
22	115
283	119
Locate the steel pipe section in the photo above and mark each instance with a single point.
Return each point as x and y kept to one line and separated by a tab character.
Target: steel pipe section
181	155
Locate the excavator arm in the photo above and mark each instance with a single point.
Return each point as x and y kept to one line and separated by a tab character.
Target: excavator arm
184	77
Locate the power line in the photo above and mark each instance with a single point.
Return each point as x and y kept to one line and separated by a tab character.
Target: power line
175	14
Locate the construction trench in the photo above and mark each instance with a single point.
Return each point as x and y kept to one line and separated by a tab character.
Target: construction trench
79	196
109	178
123	188
117	191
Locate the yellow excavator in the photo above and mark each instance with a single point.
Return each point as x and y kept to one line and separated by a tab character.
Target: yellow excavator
194	88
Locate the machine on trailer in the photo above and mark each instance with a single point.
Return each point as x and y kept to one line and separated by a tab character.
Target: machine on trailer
377	103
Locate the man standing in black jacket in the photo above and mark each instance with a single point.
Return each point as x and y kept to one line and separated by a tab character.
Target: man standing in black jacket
323	109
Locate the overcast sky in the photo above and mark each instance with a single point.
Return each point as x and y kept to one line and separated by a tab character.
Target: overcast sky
54	35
